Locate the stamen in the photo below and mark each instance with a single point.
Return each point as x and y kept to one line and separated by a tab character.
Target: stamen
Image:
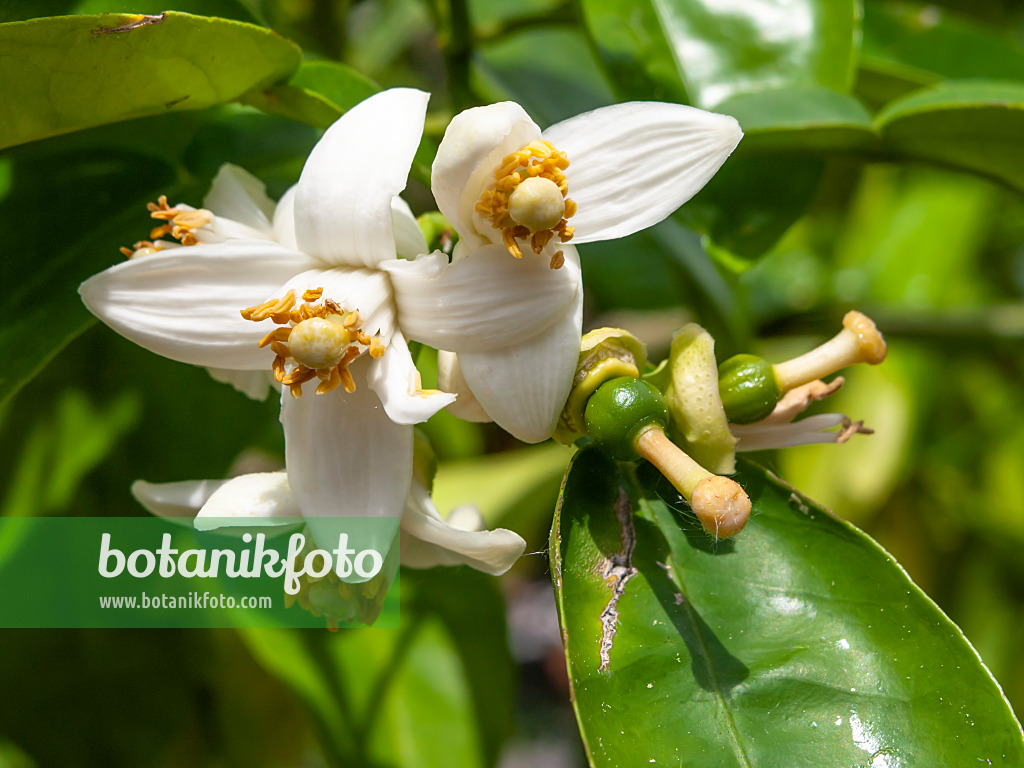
557	260
180	222
534	176
323	339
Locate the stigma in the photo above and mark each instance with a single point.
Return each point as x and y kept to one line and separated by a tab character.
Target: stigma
321	337
528	200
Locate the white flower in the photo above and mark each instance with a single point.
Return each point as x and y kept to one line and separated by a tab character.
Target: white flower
321	287
780	430
262	498
506	186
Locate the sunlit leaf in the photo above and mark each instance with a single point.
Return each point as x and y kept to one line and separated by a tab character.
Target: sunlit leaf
704	52
66	73
801	637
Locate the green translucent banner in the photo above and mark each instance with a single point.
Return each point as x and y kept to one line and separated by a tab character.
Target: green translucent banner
159	572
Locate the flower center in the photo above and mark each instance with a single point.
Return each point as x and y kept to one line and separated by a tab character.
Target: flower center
322	339
528	199
180	223
536	204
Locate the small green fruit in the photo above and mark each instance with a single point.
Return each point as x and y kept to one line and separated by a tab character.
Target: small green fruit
619	411
748	388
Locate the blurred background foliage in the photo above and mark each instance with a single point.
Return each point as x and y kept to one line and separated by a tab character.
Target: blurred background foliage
853	188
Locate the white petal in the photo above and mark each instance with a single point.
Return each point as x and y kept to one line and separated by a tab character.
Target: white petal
183	499
253	384
284	220
472	148
450	379
345	457
524	387
427	540
343	202
251	500
397	382
763	437
239	196
409	239
631	165
487	300
366	290
185	304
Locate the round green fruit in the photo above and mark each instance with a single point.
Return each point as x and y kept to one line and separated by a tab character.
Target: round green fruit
619	411
748	388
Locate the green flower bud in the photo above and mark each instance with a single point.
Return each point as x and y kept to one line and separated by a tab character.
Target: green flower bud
620	411
748	388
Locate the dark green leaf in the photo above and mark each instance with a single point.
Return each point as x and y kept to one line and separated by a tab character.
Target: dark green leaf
973	125
800	642
67	73
907	45
704	52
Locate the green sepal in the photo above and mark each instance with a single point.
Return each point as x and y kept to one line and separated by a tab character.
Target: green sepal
748	388
619	411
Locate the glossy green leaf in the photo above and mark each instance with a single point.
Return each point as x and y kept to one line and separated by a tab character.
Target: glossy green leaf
65	73
973	125
800	642
439	691
703	52
21	10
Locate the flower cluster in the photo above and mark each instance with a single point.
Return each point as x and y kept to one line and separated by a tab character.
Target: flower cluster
318	295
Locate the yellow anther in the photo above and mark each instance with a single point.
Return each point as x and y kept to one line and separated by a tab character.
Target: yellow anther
528	199
179	222
322	340
557	260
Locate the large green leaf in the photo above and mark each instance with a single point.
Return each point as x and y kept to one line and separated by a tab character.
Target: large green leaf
65	73
705	52
799	643
974	125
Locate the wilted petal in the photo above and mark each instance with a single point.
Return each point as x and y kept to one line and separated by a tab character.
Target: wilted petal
182	499
631	165
409	240
345	457
482	302
184	304
343	202
239	197
249	500
763	437
429	540
472	148
397	382
524	387
450	379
